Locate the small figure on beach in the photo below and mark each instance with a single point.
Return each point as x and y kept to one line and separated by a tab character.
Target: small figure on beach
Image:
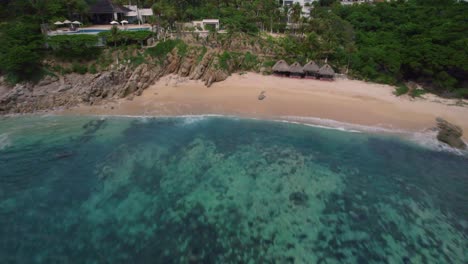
261	96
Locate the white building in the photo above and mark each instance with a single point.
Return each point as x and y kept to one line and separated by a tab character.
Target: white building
205	24
306	5
351	2
138	14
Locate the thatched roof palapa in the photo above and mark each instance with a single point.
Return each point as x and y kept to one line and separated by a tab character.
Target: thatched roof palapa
326	70
296	68
311	66
107	7
281	66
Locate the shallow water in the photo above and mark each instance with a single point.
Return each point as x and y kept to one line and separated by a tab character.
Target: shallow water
219	190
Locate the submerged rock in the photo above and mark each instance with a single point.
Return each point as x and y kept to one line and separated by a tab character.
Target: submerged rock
298	198
450	134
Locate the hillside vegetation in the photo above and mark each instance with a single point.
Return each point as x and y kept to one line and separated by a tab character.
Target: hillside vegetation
392	42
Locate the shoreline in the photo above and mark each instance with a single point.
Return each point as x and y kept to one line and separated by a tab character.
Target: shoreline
347	105
342	102
426	138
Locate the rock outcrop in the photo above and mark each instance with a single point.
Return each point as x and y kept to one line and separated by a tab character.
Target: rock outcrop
450	134
119	82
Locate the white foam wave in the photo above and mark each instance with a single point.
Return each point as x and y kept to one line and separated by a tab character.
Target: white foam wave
342	126
424	138
428	139
5	141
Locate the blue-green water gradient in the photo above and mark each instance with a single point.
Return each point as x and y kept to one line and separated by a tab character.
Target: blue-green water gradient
224	190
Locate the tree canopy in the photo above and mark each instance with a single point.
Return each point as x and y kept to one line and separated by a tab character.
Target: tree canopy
421	40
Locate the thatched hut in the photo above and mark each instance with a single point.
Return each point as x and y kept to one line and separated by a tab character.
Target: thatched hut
326	73
281	68
311	70
296	70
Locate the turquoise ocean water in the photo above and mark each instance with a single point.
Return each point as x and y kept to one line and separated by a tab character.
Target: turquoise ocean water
224	190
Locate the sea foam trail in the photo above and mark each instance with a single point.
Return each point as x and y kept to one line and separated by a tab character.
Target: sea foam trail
342	126
5	141
426	138
429	140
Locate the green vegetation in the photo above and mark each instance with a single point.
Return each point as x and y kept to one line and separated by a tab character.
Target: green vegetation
415	40
390	42
401	90
20	52
92	69
250	61
163	48
118	37
74	46
224	58
461	93
79	68
202	54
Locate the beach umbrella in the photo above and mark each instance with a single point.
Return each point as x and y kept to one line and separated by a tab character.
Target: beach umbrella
281	66
124	22
311	67
58	23
296	68
326	70
114	22
67	22
76	22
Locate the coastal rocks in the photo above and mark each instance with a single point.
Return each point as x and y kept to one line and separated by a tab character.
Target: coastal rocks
450	134
48	80
201	68
214	73
142	77
120	81
186	67
172	62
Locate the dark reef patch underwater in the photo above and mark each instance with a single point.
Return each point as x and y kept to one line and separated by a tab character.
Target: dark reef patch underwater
221	190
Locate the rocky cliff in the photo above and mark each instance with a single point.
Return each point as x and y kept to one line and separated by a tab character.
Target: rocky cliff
121	80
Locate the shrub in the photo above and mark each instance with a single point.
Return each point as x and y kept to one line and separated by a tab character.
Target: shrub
79	68
401	90
269	63
163	48
461	93
202	54
74	46
223	60
92	69
417	93
137	60
250	61
125	37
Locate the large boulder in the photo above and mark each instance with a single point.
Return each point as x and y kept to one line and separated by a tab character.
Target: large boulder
450	134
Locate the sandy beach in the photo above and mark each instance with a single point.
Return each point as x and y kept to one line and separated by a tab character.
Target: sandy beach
301	100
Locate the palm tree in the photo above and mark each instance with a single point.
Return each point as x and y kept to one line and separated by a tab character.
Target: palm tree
295	15
114	35
165	14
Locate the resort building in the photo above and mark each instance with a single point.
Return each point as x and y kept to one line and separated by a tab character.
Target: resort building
206	24
352	2
137	14
105	11
306	5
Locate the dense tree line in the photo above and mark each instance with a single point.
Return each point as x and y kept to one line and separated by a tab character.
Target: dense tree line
425	41
420	40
